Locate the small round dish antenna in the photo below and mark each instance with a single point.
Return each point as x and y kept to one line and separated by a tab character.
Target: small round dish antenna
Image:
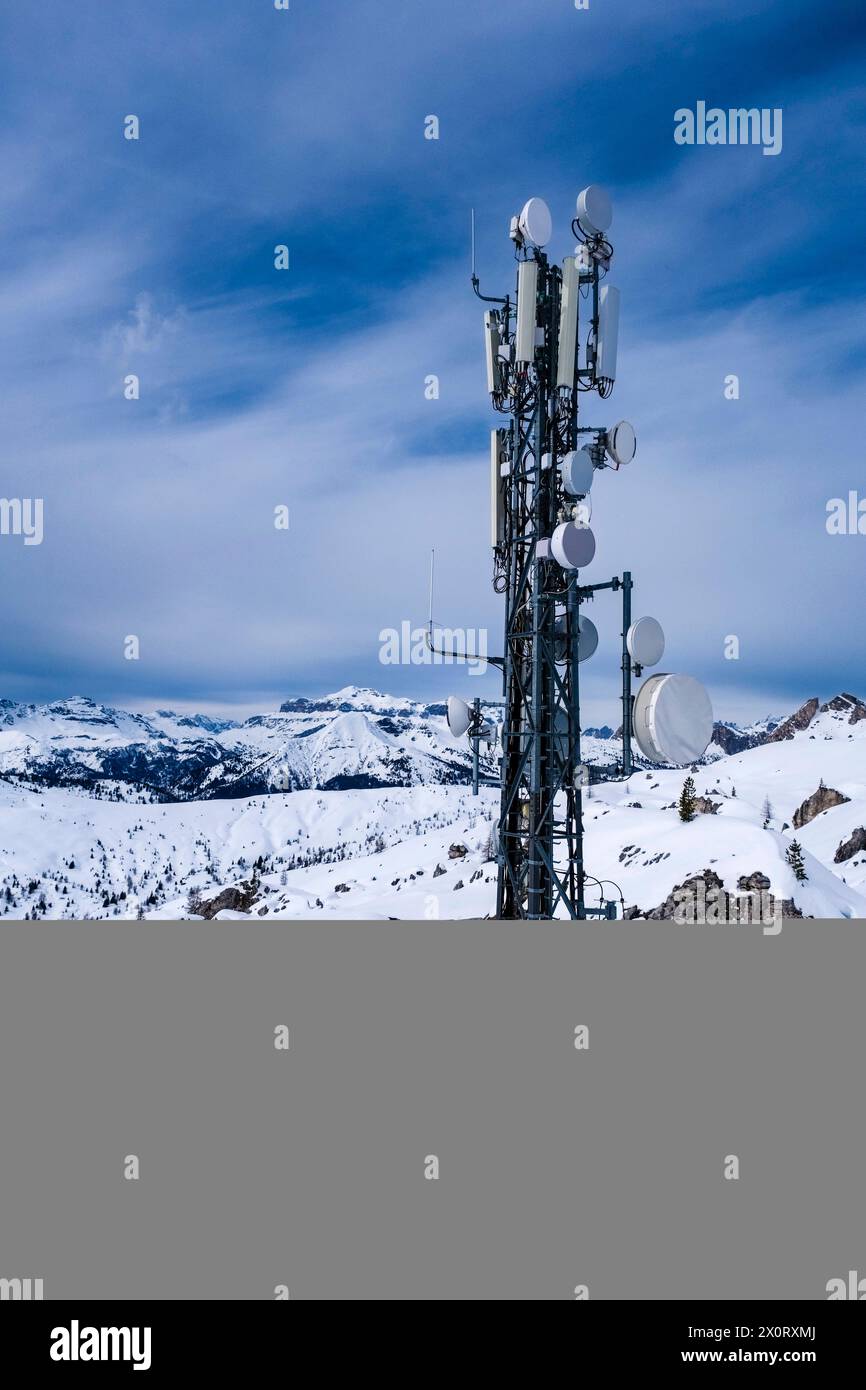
673	719
594	212
645	640
576	472
535	222
459	716
587	639
572	546
621	443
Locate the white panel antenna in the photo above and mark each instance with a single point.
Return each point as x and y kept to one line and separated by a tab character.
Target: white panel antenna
568	322
492	345
608	332
498	456
527	292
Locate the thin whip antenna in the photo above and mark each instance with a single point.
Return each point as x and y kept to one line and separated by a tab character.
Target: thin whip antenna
432	566
472	217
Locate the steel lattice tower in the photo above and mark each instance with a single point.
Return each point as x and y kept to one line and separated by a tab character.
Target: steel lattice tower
536	377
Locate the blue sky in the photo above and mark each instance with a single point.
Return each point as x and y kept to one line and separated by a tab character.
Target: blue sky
306	387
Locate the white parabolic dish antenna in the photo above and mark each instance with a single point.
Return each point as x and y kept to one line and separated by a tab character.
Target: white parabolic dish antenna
646	642
572	546
576	471
673	719
587	640
535	222
622	443
459	716
594	211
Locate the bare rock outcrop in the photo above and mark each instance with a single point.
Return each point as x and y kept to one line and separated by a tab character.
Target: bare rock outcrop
851	705
851	846
239	898
819	801
703	898
796	722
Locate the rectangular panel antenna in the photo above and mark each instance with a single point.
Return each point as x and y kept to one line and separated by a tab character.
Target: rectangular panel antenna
491	343
527	292
608	332
498	485
568	322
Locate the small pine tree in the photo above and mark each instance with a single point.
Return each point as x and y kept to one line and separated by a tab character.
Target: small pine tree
491	848
794	856
687	804
767	812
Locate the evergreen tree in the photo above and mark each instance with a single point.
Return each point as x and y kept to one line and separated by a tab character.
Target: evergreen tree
767	812
794	856
687	804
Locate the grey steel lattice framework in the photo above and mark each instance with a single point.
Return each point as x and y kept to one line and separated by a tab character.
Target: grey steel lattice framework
545	350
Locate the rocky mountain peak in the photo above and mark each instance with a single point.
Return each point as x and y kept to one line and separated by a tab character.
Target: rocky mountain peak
796	722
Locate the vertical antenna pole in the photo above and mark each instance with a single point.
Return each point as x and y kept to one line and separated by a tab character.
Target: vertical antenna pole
472	223
430	617
626	675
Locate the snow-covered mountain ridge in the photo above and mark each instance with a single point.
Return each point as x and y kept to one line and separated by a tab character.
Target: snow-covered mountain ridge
355	738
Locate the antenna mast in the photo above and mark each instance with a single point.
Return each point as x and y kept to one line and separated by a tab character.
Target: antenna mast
543	352
540	481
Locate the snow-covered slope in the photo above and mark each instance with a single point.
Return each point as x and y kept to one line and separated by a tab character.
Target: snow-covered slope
378	819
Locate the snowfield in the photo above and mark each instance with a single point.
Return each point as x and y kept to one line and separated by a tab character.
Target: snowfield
414	847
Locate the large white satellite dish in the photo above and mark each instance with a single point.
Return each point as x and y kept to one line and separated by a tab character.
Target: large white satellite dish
621	443
672	720
572	546
594	211
576	472
645	640
535	222
459	716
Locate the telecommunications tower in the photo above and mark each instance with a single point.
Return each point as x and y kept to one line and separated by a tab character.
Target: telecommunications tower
551	344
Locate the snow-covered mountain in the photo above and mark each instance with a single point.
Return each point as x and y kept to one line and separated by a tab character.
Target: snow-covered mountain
360	807
355	738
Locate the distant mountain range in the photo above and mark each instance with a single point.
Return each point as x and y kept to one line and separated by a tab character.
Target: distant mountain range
356	738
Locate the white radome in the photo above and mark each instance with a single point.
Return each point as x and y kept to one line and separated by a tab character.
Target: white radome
621	443
673	719
572	546
535	222
459	716
645	640
576	472
594	211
